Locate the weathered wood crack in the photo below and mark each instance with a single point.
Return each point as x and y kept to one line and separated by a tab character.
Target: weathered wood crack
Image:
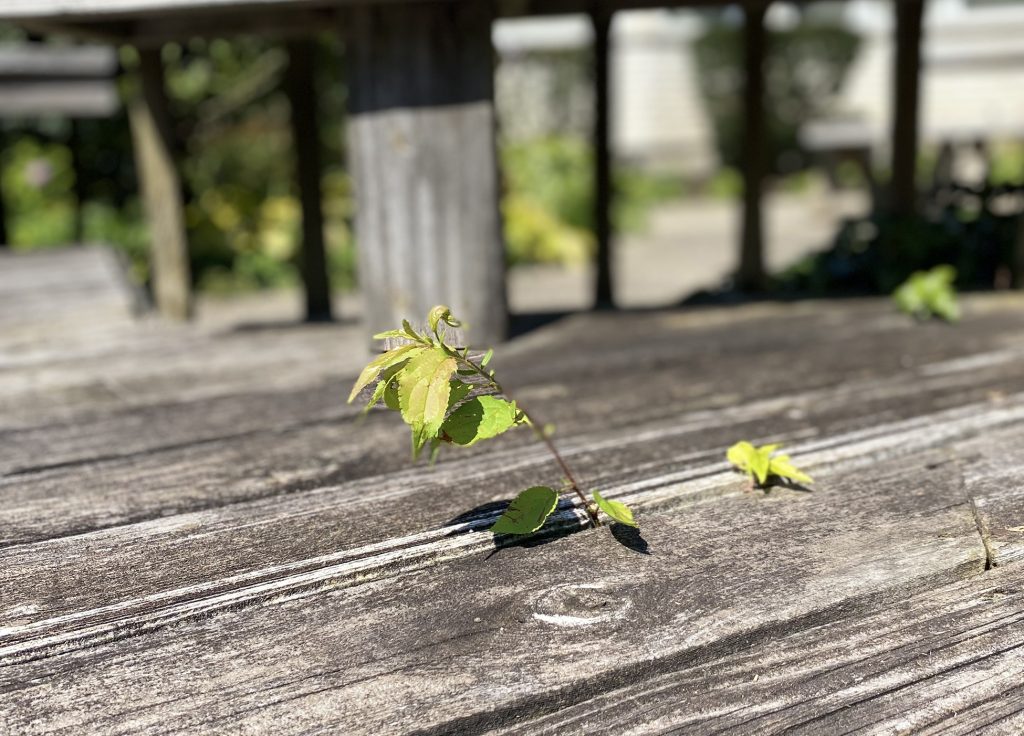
404	554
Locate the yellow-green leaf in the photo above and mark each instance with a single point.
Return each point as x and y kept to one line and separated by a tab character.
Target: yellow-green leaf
617	510
928	293
527	512
371	371
423	391
783	467
750	459
387	384
758	462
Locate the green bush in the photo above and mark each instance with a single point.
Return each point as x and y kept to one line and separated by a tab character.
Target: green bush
548	201
804	67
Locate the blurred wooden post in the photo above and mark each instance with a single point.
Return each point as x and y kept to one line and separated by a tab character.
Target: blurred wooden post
601	20
161	189
906	93
78	170
421	142
1017	262
306	141
750	276
4	239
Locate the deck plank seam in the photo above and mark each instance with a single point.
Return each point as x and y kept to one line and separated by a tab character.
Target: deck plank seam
397	556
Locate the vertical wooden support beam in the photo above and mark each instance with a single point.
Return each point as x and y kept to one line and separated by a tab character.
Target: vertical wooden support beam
422	150
751	276
906	94
602	20
5	241
1017	255
161	189
78	170
306	141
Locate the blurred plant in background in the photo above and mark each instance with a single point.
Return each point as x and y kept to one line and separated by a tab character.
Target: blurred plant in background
804	68
233	140
548	201
234	147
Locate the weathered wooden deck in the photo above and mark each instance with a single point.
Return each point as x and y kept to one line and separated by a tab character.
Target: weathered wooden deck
199	535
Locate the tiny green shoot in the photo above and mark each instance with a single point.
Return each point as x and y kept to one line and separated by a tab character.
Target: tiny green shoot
760	465
449	398
929	294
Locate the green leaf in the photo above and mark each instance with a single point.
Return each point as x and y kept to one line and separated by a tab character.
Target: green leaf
423	391
385	384
758	462
436	315
617	510
478	419
751	460
371	371
439	314
487	357
783	467
407	328
929	293
527	511
390	333
391	396
459	391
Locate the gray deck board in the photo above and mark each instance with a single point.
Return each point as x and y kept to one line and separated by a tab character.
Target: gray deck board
198	535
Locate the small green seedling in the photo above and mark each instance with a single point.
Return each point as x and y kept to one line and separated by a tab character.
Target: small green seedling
929	294
758	463
448	398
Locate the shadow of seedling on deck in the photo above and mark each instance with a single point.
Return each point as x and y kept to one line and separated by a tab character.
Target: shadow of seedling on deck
562	522
630	537
783	483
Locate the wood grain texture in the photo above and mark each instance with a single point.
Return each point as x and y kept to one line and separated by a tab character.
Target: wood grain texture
161	189
220	544
524	641
421	142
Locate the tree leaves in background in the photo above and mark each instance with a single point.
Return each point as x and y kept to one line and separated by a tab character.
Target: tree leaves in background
617	510
527	512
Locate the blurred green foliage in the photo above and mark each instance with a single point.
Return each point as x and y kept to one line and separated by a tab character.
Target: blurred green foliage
231	121
231	126
804	67
548	201
876	254
929	293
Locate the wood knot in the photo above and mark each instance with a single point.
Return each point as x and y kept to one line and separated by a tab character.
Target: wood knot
579	604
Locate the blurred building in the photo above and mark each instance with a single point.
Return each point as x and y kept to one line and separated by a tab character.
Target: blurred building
973	77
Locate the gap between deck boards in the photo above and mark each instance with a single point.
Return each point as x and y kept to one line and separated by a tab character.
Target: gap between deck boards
405	554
